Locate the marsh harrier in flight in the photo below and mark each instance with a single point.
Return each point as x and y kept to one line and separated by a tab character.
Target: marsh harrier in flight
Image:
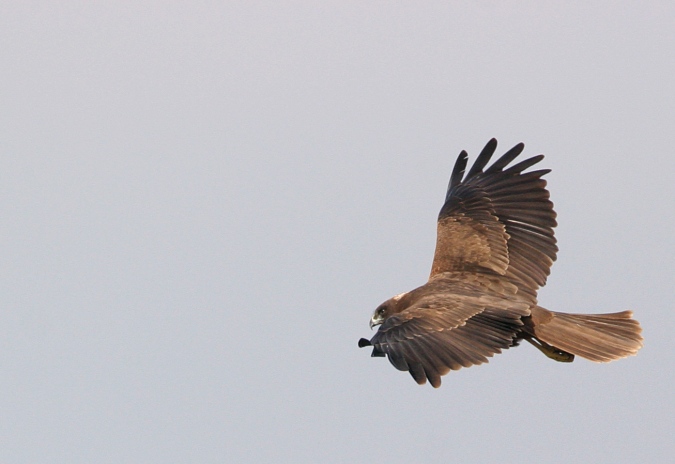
494	249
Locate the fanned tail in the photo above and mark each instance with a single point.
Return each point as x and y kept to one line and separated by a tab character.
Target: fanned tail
596	337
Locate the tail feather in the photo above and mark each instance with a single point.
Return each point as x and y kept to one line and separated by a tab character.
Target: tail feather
597	337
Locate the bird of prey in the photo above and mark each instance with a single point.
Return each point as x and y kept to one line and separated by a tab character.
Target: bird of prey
494	250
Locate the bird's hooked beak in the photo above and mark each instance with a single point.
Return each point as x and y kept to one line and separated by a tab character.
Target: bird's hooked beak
375	321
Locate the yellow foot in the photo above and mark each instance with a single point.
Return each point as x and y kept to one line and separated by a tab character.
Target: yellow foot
551	351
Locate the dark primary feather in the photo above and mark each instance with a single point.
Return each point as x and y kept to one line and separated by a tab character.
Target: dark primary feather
483	158
506	158
520	167
458	170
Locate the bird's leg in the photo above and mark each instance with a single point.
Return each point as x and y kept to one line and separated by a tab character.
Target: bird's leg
551	351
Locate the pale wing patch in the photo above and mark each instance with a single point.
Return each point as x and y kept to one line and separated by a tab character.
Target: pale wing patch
463	241
399	296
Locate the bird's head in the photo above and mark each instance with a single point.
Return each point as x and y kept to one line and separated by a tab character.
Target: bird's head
385	310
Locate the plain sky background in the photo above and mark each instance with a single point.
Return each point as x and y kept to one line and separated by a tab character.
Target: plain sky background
203	202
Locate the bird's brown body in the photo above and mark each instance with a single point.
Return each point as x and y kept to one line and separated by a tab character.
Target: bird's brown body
494	249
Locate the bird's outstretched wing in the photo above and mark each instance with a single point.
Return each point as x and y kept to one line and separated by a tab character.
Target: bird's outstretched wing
498	219
459	321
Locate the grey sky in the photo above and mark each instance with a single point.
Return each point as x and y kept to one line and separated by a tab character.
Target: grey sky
202	203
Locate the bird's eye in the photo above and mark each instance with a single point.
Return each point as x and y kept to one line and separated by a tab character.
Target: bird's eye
380	311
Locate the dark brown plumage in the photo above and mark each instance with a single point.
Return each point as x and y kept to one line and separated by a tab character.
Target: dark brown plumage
494	250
